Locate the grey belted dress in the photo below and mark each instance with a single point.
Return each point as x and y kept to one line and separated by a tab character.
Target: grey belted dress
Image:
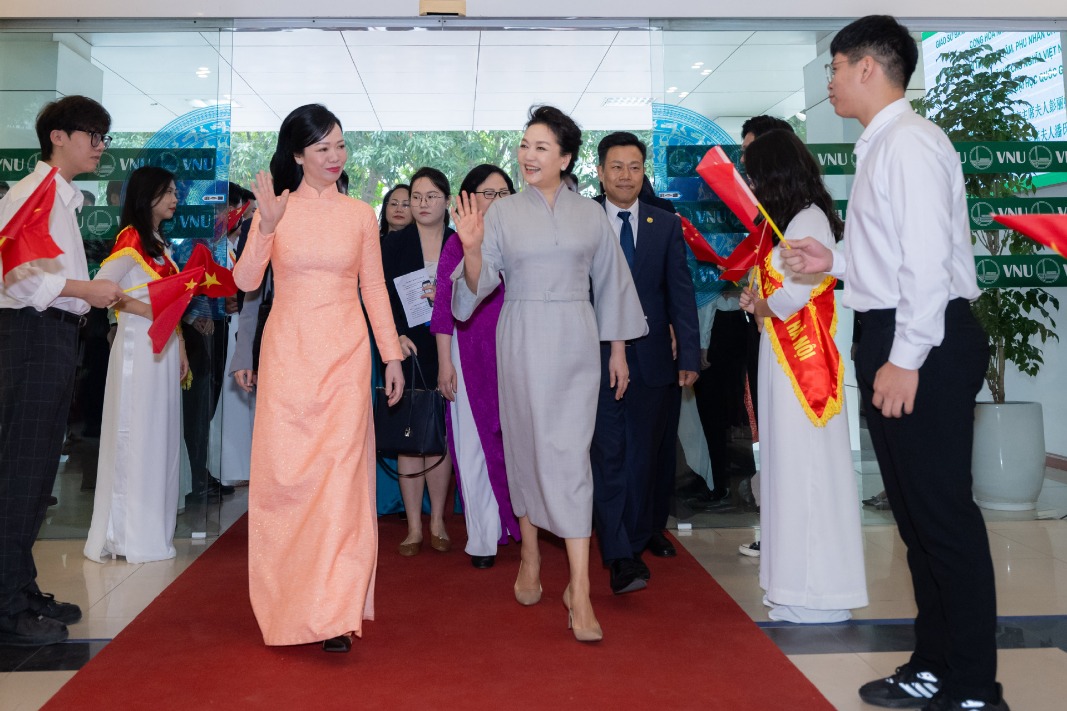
548	353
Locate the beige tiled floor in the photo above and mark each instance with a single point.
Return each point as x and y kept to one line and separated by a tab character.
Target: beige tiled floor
1030	559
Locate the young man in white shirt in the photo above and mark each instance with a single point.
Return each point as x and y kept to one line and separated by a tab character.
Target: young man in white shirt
42	303
908	268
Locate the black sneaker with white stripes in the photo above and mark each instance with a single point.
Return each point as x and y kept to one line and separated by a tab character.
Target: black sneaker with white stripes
907	688
943	703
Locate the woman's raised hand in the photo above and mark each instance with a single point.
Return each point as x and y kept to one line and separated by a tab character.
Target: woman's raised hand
469	222
271	207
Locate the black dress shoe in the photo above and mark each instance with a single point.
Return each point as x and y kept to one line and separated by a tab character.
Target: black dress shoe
341	644
52	501
626	576
659	546
642	569
46	605
719	493
481	562
28	629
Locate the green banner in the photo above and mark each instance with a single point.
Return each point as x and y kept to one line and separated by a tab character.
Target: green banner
838	159
118	163
712	216
102	223
1042	270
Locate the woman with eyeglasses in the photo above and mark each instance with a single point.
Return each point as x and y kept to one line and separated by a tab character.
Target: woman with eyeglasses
466	377
135	504
417	248
396	210
556	250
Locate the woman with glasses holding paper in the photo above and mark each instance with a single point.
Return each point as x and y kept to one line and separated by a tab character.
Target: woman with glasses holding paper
409	258
466	352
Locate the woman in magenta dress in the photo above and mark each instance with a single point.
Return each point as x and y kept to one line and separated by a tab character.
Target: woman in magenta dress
466	353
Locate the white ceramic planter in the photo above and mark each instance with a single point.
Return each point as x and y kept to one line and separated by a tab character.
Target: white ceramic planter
1008	455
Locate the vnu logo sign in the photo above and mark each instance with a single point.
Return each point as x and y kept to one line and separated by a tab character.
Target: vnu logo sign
106	166
982	214
1048	271
168	161
98	222
1040	157
987	272
980	157
1042	208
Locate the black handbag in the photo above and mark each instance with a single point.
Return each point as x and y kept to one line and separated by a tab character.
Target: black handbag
263	315
414	426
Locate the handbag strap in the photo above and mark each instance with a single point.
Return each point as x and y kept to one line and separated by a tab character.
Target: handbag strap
397	475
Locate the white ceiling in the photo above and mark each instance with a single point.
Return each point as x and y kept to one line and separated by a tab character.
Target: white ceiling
451	80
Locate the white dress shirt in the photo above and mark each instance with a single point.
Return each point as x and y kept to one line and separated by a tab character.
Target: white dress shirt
38	283
616	223
907	236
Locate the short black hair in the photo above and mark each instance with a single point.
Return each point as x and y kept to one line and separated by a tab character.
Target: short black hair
439	180
885	40
619	138
235	194
759	125
563	127
479	174
69	114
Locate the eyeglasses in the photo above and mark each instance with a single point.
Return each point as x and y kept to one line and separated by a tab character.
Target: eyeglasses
831	70
394	203
432	197
96	138
493	194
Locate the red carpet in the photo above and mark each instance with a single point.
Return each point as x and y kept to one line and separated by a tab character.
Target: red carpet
447	636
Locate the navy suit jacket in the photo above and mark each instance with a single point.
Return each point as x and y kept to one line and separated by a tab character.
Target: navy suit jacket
665	287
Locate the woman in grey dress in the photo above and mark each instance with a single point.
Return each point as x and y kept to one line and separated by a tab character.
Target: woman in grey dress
549	244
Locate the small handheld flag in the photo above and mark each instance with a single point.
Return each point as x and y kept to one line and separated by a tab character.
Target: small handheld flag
25	237
170	296
217	281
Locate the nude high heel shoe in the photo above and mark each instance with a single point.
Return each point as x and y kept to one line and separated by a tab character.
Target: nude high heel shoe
527	597
582	634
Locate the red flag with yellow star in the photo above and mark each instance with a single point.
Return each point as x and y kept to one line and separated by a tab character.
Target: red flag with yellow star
217	281
170	296
746	255
25	237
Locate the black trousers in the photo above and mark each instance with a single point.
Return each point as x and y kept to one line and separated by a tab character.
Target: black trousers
720	390
925	460
624	457
38	356
207	361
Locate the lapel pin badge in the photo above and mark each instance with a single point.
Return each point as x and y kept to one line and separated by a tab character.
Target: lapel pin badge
648	220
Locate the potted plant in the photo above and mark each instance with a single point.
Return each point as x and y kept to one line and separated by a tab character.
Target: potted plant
975	99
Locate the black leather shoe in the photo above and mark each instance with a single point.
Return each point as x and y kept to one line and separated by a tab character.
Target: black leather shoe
659	546
341	644
28	629
46	605
217	486
642	569
626	576
719	493
481	562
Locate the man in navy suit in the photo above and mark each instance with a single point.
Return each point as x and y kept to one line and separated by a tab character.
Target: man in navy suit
630	431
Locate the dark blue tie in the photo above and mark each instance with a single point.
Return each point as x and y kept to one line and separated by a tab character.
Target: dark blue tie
626	239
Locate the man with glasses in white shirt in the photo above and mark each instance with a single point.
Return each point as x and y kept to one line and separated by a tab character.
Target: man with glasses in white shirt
908	268
42	304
